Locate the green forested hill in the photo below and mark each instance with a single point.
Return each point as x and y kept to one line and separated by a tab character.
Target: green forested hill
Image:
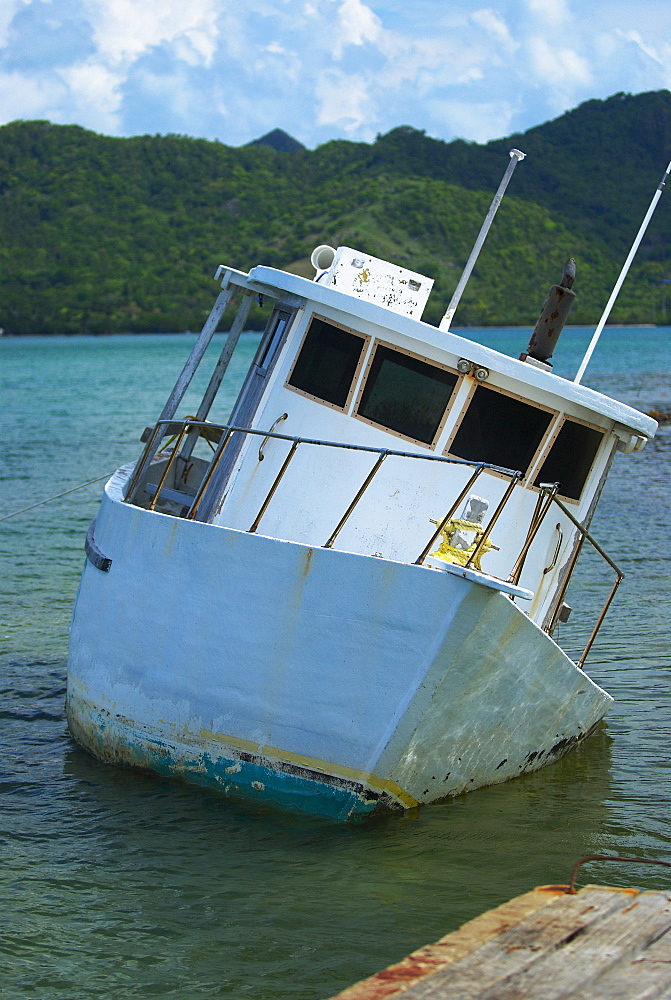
101	234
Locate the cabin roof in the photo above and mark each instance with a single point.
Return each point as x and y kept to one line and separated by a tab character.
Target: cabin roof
270	280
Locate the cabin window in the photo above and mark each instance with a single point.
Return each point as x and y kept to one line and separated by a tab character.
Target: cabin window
500	430
406	395
327	363
570	458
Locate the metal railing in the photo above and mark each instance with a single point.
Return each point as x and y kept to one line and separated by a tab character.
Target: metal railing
223	433
559	599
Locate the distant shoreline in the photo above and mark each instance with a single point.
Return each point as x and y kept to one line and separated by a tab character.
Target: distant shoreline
194	333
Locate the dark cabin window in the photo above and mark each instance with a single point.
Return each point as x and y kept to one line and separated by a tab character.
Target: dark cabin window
327	362
500	430
570	458
406	395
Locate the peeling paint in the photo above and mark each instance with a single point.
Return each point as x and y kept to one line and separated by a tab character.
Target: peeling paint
379	281
428	647
284	784
563	746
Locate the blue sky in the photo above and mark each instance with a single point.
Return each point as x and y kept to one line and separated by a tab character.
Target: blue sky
323	69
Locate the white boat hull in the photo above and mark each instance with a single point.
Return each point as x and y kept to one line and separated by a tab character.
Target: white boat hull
307	677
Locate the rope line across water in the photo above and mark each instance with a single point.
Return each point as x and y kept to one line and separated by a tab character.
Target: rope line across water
40	503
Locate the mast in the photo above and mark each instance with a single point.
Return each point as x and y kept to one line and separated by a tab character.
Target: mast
515	156
623	274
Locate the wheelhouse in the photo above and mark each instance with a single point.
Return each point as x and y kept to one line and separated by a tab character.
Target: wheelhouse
405	424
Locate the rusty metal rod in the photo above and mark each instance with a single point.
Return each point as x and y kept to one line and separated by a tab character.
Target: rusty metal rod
362	490
169	465
552	620
450	514
599	621
214	462
516	571
542	507
282	416
610	857
495	516
584	536
587	535
340	444
143	461
278	479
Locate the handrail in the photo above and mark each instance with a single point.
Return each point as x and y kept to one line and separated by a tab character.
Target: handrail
584	536
278	478
282	416
362	489
515	478
175	451
448	517
214	461
547	496
447	459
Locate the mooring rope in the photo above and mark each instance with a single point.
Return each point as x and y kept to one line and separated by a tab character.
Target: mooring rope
56	497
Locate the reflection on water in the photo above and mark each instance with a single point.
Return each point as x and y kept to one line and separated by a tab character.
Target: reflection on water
121	885
144	882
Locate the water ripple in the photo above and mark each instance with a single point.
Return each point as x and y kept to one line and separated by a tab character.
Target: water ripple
117	885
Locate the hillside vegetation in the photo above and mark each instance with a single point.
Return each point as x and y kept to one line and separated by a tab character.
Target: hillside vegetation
101	234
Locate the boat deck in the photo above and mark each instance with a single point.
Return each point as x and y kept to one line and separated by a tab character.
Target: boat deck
600	943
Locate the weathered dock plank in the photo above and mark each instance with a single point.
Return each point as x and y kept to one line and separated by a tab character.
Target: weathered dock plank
644	977
548	944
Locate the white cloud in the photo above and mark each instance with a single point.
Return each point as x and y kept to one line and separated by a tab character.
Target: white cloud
494	25
478	122
350	68
552	12
174	90
658	53
123	29
29	97
94	90
428	65
560	68
196	47
344	101
276	64
8	9
358	25
421	62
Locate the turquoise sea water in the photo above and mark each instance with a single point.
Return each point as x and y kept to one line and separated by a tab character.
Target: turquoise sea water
118	885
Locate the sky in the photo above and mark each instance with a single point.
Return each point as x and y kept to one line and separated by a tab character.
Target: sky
232	70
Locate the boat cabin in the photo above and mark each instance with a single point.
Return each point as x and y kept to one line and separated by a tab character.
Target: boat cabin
361	428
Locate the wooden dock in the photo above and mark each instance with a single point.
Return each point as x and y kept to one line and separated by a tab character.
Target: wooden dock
600	943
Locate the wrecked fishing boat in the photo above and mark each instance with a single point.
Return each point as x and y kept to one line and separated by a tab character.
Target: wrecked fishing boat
344	598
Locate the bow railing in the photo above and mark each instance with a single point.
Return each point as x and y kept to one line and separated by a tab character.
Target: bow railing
219	436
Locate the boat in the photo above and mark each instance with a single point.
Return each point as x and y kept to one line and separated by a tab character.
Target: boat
344	599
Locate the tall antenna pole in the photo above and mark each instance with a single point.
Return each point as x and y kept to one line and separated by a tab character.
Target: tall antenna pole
623	274
515	156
